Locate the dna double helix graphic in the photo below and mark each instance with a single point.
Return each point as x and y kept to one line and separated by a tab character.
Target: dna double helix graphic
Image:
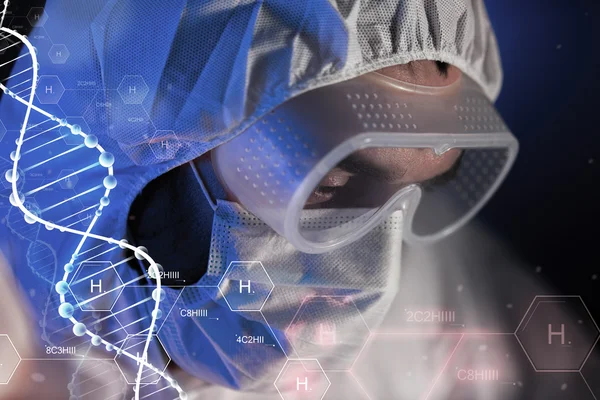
83	150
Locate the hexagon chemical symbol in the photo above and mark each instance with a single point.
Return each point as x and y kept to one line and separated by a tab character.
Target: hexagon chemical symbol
302	379
96	285
133	89
37	16
9	359
156	356
330	329
49	89
67	178
58	53
68	136
164	144
557	333
246	286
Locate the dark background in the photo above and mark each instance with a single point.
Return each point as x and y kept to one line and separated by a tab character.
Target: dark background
548	207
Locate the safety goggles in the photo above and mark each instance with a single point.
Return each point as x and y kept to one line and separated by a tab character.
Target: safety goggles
329	165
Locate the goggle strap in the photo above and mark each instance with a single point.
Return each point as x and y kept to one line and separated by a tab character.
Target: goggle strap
207	195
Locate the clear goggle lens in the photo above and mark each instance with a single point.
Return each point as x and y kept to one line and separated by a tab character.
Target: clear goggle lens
452	187
327	166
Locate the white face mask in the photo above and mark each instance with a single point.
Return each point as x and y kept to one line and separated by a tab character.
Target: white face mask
321	305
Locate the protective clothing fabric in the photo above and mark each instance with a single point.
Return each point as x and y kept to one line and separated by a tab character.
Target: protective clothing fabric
160	84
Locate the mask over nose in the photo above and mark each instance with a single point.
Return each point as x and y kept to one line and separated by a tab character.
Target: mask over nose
288	303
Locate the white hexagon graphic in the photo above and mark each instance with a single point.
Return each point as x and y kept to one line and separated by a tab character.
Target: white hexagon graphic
37	16
133	89
302	379
557	333
96	285
9	359
58	54
49	89
156	356
246	286
164	144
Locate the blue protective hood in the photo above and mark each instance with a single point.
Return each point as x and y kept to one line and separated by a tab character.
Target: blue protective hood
193	74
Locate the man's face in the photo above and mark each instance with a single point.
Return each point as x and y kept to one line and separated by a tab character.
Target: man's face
377	170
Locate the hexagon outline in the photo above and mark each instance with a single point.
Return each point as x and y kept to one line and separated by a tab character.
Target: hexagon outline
150	143
121	288
145	84
44	17
54	45
18	355
358	312
246	262
155	335
301	360
49	76
556	297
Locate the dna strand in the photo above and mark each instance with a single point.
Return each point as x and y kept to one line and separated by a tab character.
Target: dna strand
63	216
